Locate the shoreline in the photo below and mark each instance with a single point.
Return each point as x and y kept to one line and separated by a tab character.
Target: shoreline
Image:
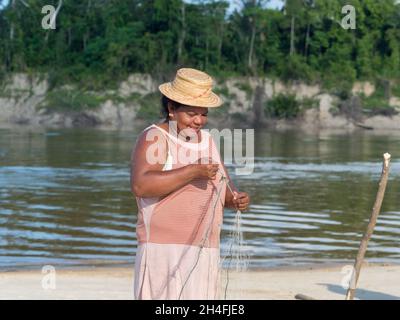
276	127
110	265
121	264
377	281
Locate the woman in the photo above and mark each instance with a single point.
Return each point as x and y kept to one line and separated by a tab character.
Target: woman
180	186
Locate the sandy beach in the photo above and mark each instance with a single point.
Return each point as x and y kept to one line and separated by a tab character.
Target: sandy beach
109	283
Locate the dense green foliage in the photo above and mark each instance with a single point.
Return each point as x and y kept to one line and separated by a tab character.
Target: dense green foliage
283	106
377	103
99	42
70	99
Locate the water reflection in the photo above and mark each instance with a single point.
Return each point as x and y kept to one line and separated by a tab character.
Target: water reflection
65	199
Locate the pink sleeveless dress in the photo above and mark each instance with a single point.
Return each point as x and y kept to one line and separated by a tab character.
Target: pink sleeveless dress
179	235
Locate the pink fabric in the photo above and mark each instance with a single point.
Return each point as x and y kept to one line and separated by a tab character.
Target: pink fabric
178	235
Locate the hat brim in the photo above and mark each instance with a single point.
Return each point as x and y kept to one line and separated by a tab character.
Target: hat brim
212	101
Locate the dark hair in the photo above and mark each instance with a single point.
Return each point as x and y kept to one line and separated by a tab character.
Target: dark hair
164	107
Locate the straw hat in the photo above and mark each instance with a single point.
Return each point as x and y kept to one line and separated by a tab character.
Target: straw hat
191	87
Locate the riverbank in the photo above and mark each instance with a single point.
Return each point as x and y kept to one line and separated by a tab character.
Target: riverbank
248	102
108	283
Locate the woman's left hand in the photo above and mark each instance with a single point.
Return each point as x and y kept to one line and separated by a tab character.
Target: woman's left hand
241	201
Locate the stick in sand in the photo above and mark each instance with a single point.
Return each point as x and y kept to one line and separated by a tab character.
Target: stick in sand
370	228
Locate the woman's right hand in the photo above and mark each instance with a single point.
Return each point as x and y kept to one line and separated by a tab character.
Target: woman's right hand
206	171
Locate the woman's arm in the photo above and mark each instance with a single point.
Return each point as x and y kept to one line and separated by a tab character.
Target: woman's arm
148	180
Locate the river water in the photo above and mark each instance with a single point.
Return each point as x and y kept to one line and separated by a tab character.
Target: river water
65	198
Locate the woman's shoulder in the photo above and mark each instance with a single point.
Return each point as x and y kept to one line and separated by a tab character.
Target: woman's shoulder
151	134
151	137
150	148
157	128
154	129
162	125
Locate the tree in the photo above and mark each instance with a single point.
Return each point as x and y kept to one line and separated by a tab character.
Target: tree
293	8
104	40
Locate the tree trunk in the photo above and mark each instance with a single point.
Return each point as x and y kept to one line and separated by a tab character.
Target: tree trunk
12	27
258	105
69	37
85	40
307	40
386	89
182	35
206	57
8	58
292	50
221	37
89	5
10	46
251	49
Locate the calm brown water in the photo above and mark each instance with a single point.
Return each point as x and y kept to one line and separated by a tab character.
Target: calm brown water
65	198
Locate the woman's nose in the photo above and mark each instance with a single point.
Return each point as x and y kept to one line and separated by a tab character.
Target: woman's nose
198	120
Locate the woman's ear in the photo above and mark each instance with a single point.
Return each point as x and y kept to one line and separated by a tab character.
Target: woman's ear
171	109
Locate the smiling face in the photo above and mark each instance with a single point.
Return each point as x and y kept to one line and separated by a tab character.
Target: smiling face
188	117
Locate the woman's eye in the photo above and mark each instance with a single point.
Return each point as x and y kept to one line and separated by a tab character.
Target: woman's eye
195	114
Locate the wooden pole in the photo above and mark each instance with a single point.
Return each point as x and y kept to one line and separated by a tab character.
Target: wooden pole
370	229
